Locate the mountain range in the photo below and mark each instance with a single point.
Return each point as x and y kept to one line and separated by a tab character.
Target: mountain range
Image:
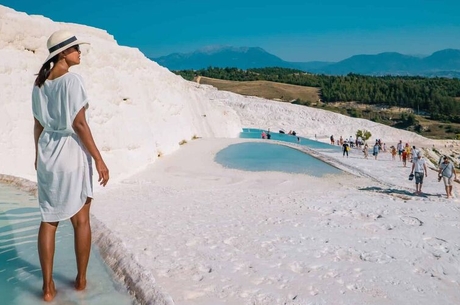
443	63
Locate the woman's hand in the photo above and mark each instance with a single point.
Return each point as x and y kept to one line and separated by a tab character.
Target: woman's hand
38	129
103	172
84	133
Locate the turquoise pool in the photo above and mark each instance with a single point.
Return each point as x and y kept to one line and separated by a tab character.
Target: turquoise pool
252	133
20	275
256	156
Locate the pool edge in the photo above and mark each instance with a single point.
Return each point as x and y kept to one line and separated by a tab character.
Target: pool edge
139	283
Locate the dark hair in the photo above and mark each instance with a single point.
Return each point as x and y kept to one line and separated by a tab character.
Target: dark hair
45	71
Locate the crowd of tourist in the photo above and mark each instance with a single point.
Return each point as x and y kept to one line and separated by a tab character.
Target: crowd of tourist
407	155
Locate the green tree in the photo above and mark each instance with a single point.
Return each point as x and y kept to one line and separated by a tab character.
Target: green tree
364	134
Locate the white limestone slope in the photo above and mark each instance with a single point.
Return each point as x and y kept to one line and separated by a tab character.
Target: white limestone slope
307	121
138	109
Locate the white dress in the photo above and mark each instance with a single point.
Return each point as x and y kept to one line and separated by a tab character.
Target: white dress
64	170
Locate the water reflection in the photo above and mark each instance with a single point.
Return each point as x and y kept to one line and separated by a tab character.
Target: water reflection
20	275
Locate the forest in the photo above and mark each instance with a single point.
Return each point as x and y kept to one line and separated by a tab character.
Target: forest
436	98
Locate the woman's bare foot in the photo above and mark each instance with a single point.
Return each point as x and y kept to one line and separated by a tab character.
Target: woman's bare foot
80	284
49	292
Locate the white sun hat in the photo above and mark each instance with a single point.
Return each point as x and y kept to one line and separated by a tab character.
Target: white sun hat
61	40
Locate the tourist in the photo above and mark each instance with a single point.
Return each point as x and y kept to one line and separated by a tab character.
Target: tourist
419	170
375	150
407	149
345	149
414	152
366	151
393	152
404	157
399	148
64	147
446	173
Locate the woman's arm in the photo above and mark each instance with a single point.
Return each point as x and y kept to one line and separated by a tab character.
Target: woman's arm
38	129
84	133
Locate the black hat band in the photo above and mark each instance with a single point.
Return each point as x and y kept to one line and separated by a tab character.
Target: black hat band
62	44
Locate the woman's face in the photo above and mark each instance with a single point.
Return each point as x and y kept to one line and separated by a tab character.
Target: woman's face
72	55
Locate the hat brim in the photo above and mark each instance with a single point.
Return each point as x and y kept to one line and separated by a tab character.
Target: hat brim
56	52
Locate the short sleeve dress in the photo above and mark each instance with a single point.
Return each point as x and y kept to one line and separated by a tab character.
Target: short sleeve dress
64	170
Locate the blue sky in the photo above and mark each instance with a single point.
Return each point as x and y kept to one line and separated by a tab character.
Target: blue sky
324	30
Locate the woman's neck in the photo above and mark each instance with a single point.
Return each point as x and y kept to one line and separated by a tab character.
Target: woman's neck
59	69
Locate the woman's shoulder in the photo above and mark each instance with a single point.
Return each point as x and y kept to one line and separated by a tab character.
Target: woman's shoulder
72	76
71	79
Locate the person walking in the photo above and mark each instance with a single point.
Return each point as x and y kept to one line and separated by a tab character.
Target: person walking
375	150
64	149
400	148
414	151
393	153
345	149
419	169
366	151
446	173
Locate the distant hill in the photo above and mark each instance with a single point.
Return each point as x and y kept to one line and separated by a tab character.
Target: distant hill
222	57
441	63
381	64
444	63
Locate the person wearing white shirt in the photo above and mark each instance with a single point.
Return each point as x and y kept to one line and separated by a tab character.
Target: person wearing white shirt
414	153
419	169
64	152
400	148
446	173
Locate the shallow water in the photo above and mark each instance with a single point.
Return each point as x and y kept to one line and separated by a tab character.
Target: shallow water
256	156
20	274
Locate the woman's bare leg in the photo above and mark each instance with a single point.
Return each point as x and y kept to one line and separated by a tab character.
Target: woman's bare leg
46	246
82	236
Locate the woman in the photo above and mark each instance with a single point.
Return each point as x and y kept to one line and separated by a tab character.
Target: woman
63	149
366	151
